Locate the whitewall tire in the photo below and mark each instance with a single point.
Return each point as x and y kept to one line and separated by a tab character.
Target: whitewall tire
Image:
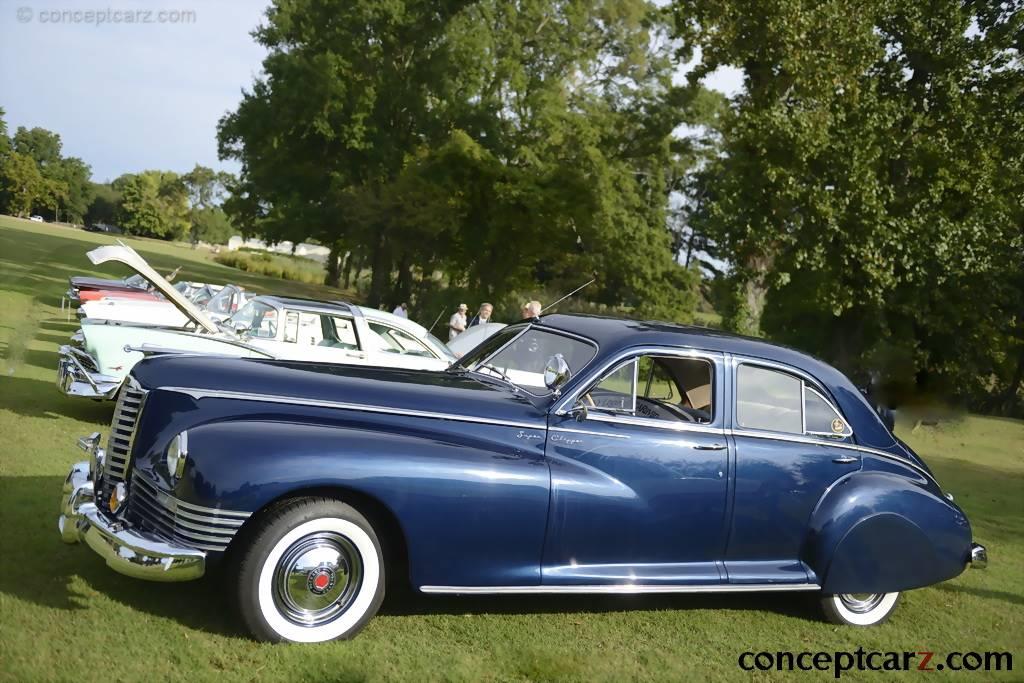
859	609
313	571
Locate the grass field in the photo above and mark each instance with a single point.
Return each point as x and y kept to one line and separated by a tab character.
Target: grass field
65	616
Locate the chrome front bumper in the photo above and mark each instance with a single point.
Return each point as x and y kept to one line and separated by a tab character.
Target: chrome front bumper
979	556
74	379
129	551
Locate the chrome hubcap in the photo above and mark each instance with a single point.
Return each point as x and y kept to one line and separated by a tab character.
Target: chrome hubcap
317	578
861	603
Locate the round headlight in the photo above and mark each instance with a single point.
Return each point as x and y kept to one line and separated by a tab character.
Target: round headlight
177	451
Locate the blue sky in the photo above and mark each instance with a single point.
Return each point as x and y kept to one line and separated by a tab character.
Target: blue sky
132	96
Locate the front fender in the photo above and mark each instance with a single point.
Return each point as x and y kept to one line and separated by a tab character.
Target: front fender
878	532
471	506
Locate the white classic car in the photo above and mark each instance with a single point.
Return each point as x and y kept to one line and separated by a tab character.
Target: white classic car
102	352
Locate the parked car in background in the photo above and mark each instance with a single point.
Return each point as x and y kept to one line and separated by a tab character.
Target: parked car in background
36	219
158	311
103	351
79	284
568	454
105	228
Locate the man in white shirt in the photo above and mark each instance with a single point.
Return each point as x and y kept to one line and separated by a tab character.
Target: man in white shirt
457	323
401	310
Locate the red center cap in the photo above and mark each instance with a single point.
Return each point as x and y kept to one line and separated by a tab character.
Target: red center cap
321	580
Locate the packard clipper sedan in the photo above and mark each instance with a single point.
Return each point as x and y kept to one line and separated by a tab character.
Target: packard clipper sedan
566	454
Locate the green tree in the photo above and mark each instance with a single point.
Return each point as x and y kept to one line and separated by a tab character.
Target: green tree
74	175
206	191
67	178
501	144
23	184
105	206
869	188
154	204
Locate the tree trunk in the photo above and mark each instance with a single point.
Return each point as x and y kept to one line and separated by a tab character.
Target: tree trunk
333	273
403	286
751	297
381	274
346	270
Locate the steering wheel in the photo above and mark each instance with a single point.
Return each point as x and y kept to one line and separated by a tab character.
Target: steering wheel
675	410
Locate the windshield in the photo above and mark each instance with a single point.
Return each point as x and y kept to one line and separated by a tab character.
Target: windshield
136	281
440	347
258	320
223	303
519	355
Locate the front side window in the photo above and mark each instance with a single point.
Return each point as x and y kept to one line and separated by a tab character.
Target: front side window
667	388
391	340
780	402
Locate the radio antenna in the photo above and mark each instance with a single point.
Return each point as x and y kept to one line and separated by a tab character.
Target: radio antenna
567	296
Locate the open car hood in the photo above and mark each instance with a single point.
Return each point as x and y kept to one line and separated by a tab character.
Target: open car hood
122	253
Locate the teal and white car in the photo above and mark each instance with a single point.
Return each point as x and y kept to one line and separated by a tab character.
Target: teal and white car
102	352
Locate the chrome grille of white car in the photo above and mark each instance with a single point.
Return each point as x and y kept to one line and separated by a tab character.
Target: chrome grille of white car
191	525
122	430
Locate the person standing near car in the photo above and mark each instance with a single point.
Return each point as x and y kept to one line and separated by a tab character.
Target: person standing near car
401	310
457	323
482	316
531	310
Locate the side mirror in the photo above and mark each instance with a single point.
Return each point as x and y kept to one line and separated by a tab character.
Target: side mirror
556	372
239	327
579	411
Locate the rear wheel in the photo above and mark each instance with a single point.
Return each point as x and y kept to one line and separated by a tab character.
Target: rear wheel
313	571
859	609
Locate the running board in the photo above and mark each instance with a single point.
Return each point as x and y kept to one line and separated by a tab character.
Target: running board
625	589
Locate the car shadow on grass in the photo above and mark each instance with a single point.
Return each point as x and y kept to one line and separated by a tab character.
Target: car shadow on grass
37	567
39	398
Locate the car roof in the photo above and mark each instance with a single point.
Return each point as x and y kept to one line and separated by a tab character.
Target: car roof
410	326
316	305
618	333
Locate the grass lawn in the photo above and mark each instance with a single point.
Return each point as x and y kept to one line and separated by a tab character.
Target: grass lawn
65	616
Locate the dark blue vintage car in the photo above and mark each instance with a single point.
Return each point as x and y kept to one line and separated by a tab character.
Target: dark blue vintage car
565	455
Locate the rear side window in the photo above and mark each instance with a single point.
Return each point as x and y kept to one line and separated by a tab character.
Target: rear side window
779	402
766	399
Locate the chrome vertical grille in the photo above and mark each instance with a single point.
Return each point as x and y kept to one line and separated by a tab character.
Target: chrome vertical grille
191	525
122	430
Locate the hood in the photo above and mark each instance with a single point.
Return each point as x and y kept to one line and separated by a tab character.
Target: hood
392	388
122	253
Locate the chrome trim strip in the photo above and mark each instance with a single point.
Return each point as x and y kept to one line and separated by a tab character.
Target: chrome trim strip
340	405
166	499
795	438
624	589
588	432
593	414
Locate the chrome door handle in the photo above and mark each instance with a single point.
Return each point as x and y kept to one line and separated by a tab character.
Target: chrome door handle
710	447
844	460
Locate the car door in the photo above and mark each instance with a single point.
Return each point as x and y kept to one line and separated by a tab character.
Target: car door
787	437
323	337
639	485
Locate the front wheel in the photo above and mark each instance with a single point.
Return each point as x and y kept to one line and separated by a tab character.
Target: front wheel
859	609
313	571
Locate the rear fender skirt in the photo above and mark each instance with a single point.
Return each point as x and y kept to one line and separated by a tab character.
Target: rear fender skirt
877	532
